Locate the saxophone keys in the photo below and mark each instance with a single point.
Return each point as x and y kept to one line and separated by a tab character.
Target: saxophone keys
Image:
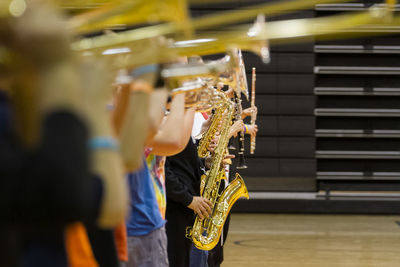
202	183
223	207
222	176
189	232
214	234
218	220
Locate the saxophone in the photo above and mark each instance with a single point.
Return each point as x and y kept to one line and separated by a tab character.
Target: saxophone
202	149
205	232
219	99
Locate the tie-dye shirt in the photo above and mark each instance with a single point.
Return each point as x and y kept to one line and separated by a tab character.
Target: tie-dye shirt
156	167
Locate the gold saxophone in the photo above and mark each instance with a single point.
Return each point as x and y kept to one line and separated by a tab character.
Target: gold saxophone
205	233
219	100
202	149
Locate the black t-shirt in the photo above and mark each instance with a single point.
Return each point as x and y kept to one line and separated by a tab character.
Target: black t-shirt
44	189
183	174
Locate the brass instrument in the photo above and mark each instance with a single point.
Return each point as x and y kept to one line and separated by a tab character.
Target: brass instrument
160	50
197	80
136	52
214	20
237	78
205	233
130	37
80	6
122	13
229	78
244	88
199	95
205	141
253	115
298	30
175	74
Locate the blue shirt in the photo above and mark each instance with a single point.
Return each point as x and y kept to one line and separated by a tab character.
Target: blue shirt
145	216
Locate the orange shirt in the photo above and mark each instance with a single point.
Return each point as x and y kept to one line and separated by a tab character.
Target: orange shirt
121	241
78	247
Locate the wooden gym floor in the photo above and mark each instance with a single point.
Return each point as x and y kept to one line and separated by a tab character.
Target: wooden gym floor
270	240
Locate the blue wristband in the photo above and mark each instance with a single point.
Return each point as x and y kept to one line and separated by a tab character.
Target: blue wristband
110	107
103	143
143	70
246	128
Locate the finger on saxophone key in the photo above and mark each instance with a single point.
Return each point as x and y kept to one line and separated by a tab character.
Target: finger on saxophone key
203	212
199	214
208	205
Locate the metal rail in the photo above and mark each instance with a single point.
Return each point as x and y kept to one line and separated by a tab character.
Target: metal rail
373	91
356	112
357	133
348	7
351	70
343	154
358	49
358	176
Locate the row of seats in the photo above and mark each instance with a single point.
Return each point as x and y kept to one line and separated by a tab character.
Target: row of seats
358	111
